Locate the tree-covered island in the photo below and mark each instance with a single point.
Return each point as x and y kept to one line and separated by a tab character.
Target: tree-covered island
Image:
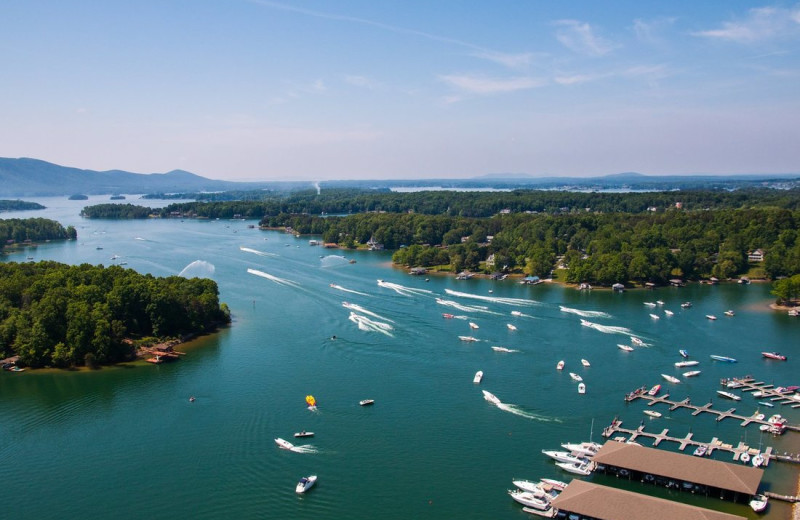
19	205
15	231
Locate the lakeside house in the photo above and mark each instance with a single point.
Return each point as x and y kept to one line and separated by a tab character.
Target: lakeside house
755	256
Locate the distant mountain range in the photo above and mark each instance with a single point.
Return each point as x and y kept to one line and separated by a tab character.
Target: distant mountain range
35	178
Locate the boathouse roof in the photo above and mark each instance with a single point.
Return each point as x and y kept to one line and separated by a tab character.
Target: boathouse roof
708	472
606	503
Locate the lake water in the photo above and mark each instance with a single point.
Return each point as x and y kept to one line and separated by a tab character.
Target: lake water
126	442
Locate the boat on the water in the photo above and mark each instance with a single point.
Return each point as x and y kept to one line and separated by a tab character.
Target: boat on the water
691	373
654	391
650	304
655	316
626	348
491	397
711	317
652	413
668	312
585	363
503	349
729	395
511	327
560	365
701	450
448	315
556	484
366	402
636	341
468	338
686	305
565	456
284	444
726	359
305	484
681	364
516	313
671	379
765	403
774	355
586	449
581	388
729	313
575	377
478	376
579	469
304	434
757	460
473	325
531	487
684	353
759	503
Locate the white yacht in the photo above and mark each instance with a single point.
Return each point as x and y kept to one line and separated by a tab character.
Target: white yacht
575	377
671	379
564	456
580	469
305	484
478	376
284	444
491	397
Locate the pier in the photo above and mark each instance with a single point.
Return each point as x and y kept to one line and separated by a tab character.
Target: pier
768	391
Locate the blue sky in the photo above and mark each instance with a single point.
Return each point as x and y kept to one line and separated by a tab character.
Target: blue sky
358	89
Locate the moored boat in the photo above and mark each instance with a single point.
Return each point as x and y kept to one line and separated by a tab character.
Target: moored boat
575	377
626	348
527	498
560	365
304	434
691	373
774	355
581	388
652	413
305	484
585	449
565	456
478	376
557	484
684	353
729	395
759	503
654	390
671	379
579	469
701	450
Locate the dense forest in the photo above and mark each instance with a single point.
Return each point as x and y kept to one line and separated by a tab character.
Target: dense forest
19	205
53	314
16	230
116	211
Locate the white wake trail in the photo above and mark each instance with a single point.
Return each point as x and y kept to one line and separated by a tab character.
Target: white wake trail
465	308
585	314
340	288
362	310
403	290
607	329
306	448
493	299
257	252
369	325
517	410
279	281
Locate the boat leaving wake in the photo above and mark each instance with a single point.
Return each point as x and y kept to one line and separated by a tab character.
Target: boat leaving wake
465	308
362	310
493	299
256	252
340	288
279	281
585	314
306	448
403	290
518	410
607	329
369	325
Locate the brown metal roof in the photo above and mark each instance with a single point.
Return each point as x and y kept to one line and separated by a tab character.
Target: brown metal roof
607	503
709	472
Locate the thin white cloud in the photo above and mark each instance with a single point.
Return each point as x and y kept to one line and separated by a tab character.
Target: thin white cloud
650	31
762	23
576	79
487	86
512	61
580	37
359	81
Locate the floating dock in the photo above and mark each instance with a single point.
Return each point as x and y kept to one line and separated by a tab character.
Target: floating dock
768	391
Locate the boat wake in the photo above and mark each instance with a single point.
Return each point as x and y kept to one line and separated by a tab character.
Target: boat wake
493	299
362	310
607	329
465	308
340	288
306	448
198	269
518	410
585	314
403	290
279	281
257	252
369	325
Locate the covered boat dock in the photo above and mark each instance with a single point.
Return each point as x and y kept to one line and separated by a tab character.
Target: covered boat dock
587	500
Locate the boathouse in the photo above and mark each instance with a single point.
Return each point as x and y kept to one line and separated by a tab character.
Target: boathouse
587	500
735	482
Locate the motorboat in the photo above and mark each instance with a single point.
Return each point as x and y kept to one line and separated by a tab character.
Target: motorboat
681	364
659	302
729	313
711	317
478	376
579	469
527	498
668	312
729	395
586	449
556	484
636	341
491	397
684	353
774	355
564	456
745	458
503	349
448	315
530	487
585	363
759	503
581	388
733	384
575	377
516	313
366	402
626	348
652	413
765	403
686	305
655	316
304	434
726	359
758	416
560	365
650	304
511	327
468	338
757	460
473	325
305	484
284	444
691	373
671	379
701	450
654	391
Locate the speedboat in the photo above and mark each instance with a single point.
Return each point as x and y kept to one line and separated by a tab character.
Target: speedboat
581	388
729	313
765	403
560	365
686	305
681	364
585	363
659	302
650	304
527	498
652	413
575	377
304	434
516	313
580	469
586	449
691	373
556	484
774	355
305	484
726	359
626	348
503	349
467	338
684	353
655	316
700	450
711	317
729	395
366	402
491	397
510	326
284	444
530	487
654	391
668	312
758	416
757	460
564	456
671	379
759	503
745	458
447	315
637	341
473	325
478	376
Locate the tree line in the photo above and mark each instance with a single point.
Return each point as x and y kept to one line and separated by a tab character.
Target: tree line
17	230
52	314
19	205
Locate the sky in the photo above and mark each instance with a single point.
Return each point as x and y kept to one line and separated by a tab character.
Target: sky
262	90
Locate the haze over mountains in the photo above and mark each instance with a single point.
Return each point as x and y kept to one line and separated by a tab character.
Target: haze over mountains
27	177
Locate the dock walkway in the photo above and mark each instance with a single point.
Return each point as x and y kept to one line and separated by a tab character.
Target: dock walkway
768	391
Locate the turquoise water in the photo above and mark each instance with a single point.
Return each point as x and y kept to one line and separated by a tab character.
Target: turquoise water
126	442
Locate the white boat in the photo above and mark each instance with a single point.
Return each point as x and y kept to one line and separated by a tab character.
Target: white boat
473	325
700	451
585	363
655	316
303	434
758	460
636	341
729	395
711	317
659	302
575	377
366	402
491	397
503	349
681	364
726	359
556	484
510	326
560	365
730	313
671	379
691	373
516	313
626	348
759	503
564	456
652	413
467	338
528	499
478	376
684	353
531	487
654	390
284	444
686	305
586	449
668	312
745	458
580	469
581	388
758	416
305	484
765	403
650	304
